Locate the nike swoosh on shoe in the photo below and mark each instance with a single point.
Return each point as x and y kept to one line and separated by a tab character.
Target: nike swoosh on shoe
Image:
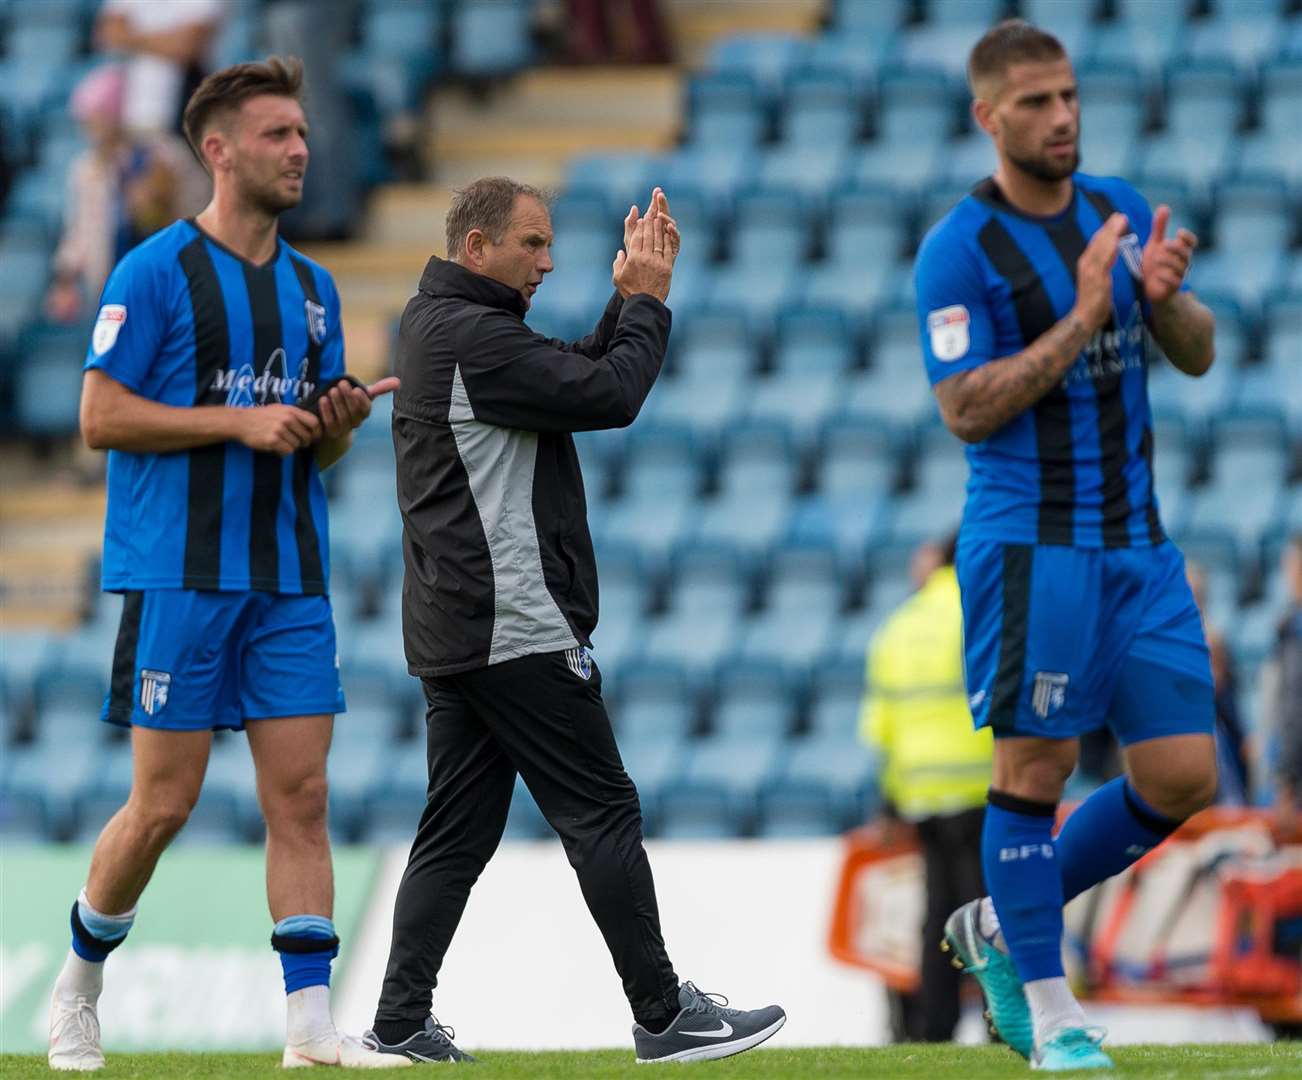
721	1032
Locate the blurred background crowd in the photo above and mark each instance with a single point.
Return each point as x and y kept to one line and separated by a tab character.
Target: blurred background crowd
758	522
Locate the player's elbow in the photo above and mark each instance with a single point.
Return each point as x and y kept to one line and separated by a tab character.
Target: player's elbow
94	431
965	427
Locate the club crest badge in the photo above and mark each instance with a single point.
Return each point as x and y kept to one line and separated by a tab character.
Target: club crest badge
1049	693
316	321
579	661
1132	255
154	688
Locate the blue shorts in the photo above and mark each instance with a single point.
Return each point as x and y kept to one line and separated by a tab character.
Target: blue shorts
189	660
1059	641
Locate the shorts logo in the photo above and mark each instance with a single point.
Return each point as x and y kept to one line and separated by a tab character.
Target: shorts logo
579	662
316	321
948	328
1049	693
154	687
108	325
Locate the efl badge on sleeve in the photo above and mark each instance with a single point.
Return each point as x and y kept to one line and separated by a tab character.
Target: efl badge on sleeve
107	327
154	687
316	321
948	327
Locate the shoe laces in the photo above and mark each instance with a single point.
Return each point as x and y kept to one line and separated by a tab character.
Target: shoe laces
709	1003
85	1022
446	1032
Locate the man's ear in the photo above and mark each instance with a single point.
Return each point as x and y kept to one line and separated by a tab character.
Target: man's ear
475	243
214	151
983	112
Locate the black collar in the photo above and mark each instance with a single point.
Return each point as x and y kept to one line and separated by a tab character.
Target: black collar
993	195
445	278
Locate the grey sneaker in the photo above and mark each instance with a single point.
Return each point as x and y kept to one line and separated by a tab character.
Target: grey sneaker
434	1043
706	1028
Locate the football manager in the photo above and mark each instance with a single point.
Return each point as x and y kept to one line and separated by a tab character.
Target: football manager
500	600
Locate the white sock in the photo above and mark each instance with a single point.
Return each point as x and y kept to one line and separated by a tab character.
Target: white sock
1053	1006
308	1014
80	978
988	924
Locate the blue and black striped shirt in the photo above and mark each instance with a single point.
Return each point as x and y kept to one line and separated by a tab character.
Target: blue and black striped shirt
1076	468
185	321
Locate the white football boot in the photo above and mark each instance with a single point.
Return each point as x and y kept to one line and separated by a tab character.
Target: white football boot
74	1034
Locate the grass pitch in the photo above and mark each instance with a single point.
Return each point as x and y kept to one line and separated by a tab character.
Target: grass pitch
1253	1061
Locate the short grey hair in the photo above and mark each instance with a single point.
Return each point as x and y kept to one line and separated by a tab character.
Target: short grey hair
486	204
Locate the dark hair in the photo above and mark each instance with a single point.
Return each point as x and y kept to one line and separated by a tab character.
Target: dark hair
226	90
486	204
1013	41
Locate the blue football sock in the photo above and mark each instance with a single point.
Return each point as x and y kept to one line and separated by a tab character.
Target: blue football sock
307	944
94	934
1021	871
1108	831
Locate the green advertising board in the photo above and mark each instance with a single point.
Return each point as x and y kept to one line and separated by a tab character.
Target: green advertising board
197	972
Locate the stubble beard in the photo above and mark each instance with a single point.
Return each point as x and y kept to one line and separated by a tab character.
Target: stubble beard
1042	169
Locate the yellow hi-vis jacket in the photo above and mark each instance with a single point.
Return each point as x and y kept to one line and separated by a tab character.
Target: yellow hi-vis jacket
915	710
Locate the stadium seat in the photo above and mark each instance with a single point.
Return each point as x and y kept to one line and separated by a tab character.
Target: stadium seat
621	179
819	109
841	765
757	475
854	55
1243	35
915	108
655	703
490	38
752	700
768	59
1148	44
1253	217
584	228
812	171
394	806
836	690
969	159
726	109
791	810
720	781
1202	99
716	171
871	16
1281	89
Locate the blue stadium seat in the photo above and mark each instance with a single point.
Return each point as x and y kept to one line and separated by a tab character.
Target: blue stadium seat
842	766
969	159
1283	332
721	779
857	56
45	780
937	45
813	171
68	702
1187	208
757	474
1203	99
1253	217
1112	109
820	109
1059	15
938	200
1237	34
401	50
714	346
655	703
622	179
1174	461
653	764
812	353
708	579
1195	400
54	43
915	107
752	700
1281	89
585	231
1158	13
871	16
796	809
858	458
836	691
490	38
716	171
854	290
1268	153
1149	45
769	59
726	109
865	219
1244	276
394	806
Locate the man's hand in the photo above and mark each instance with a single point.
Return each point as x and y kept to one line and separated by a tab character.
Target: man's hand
648	265
346	407
659	204
1094	273
1166	261
277	429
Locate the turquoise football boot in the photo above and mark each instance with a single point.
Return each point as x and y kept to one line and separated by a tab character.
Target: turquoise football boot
1072	1048
976	955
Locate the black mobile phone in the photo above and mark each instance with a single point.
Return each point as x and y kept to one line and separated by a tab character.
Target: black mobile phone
312	403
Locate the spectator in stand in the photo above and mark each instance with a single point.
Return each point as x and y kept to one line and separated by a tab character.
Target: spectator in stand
936	770
123	188
1231	739
1284	705
617	31
165	48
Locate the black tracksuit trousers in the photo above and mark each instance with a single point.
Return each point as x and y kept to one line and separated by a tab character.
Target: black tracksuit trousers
540	717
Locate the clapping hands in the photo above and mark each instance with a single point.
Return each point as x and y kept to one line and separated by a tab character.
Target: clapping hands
651	244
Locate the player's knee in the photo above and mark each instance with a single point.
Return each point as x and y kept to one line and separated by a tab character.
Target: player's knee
160	819
1180	795
302	805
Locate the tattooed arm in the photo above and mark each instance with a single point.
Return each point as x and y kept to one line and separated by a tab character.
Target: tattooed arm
1181	325
976	403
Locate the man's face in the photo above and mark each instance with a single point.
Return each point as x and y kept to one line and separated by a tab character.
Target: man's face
1035	116
266	152
523	255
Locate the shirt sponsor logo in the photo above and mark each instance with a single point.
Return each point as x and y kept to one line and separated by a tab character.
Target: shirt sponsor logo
108	324
245	389
1049	693
154	689
948	328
